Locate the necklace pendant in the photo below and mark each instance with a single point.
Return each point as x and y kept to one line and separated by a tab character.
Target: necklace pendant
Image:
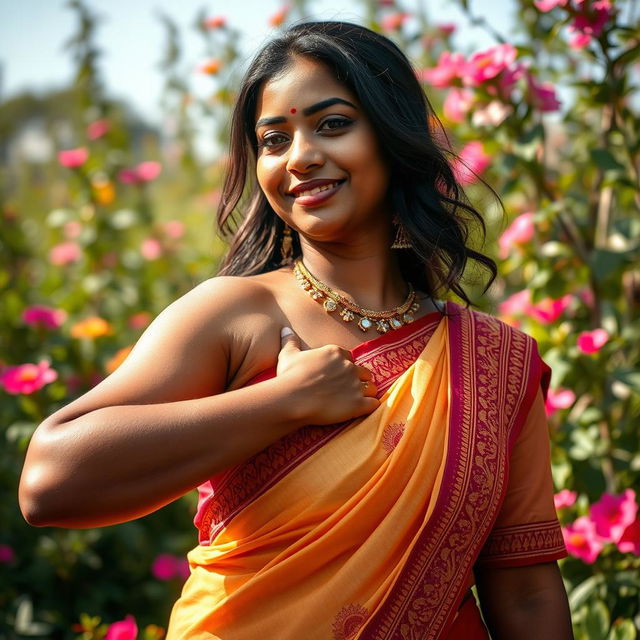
407	317
329	305
382	326
347	315
365	324
395	323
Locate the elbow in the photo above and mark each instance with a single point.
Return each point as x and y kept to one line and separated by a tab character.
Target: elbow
36	500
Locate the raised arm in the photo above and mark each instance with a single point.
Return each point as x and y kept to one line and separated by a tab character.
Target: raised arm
162	424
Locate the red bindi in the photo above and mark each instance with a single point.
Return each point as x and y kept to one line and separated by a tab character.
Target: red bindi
293	110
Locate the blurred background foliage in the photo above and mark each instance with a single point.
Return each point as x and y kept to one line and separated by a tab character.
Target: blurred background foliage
98	237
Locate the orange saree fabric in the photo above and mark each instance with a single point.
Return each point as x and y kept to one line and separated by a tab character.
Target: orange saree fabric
371	529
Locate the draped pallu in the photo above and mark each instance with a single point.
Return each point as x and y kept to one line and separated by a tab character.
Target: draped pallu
371	529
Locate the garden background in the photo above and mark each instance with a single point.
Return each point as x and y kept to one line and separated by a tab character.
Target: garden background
106	217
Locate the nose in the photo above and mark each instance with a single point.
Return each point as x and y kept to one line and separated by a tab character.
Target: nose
304	154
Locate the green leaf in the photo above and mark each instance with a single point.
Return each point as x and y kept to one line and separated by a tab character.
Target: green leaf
598	620
583	592
605	263
623	630
629	377
604	159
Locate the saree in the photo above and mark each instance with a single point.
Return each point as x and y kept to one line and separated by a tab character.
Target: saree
371	529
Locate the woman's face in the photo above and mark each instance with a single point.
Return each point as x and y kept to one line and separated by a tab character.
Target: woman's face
319	163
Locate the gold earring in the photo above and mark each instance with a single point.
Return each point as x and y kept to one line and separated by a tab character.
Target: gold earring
402	240
286	248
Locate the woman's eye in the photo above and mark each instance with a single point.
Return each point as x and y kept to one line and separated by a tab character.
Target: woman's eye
333	124
273	140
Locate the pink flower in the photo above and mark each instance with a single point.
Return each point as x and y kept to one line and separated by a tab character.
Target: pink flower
592	341
589	24
126	629
485	65
581	540
165	566
446	28
144	172
65	253
393	21
471	162
547	5
183	570
613	514
519	232
492	115
97	129
508	78
73	158
7	554
151	248
42	316
72	229
543	95
559	398
630	540
27	378
457	103
548	310
174	229
449	67
517	304
564	498
140	320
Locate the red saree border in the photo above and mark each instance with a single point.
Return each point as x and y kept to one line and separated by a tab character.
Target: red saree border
518	545
229	493
495	373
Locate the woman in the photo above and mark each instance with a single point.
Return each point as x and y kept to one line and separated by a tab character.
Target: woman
358	470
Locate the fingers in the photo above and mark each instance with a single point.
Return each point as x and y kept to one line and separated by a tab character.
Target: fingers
369	389
364	373
289	340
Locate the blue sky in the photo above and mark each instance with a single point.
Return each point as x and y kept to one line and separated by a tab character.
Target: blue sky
33	33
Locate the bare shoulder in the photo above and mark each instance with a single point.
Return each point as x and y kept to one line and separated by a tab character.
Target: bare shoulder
189	351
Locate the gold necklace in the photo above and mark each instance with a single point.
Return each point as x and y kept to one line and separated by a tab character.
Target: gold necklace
348	310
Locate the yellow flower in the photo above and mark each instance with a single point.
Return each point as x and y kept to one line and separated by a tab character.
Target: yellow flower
93	327
119	357
103	191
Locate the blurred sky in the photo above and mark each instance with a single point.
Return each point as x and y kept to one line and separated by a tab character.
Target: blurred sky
33	33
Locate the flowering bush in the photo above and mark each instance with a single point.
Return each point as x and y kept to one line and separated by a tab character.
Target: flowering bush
546	117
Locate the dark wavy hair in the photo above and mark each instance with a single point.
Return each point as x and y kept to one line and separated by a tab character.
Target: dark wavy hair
423	193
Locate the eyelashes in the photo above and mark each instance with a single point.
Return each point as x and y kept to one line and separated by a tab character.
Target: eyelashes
272	139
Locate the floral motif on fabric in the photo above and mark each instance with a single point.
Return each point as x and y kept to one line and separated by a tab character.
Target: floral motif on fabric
349	621
392	435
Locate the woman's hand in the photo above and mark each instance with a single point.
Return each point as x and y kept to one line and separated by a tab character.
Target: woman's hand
328	387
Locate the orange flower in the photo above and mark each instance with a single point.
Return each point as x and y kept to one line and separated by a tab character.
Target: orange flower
103	190
93	327
279	16
118	358
210	67
216	22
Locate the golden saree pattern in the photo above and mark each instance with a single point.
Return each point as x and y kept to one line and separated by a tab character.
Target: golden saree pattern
371	529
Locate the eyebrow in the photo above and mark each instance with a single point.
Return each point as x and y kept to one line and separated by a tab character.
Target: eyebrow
308	111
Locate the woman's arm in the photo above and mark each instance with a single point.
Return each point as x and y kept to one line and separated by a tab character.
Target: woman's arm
527	603
161	424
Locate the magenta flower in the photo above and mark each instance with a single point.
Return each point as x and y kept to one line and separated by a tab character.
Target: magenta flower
630	540
144	172
519	232
582	541
97	129
564	498
165	566
73	158
7	554
548	310
548	5
613	514
65	253
543	95
449	67
457	104
151	248
471	162
42	316
559	398
517	304
126	629
592	341
589	24
485	65
27	378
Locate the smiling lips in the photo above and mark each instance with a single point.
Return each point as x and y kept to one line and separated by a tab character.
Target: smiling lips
314	191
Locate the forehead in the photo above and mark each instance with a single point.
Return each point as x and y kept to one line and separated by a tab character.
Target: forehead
304	82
